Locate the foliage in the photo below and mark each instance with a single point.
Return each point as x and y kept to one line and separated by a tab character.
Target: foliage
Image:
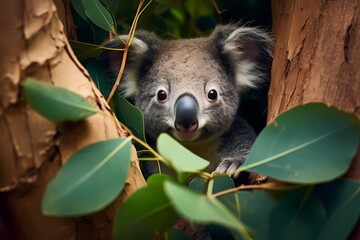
82	186
307	149
157	214
48	100
281	149
275	211
178	157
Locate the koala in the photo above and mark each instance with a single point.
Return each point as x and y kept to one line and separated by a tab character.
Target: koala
191	88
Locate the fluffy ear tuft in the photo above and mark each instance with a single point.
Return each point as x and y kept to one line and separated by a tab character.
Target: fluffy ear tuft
247	50
140	53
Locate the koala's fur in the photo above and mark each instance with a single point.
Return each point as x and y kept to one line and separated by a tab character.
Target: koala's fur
230	60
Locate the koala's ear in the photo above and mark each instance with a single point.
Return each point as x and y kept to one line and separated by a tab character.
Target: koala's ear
140	52
247	51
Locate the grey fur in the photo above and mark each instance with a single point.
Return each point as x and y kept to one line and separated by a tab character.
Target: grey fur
230	60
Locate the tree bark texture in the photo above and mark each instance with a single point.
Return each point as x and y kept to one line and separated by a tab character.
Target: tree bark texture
316	59
33	43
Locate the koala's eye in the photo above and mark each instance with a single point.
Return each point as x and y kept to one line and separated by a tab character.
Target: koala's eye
212	95
161	95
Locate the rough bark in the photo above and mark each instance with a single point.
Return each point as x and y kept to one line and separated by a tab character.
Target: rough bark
32	149
316	59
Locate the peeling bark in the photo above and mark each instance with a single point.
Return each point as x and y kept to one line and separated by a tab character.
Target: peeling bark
317	59
32	149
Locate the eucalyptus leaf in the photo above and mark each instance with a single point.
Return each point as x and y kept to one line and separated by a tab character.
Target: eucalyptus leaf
178	157
130	115
99	15
312	143
99	77
341	199
79	8
220	183
202	209
158	180
144	214
55	103
300	215
328	212
253	208
198	185
90	180
278	214
86	51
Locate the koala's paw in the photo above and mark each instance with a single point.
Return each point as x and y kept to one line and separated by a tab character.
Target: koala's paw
229	166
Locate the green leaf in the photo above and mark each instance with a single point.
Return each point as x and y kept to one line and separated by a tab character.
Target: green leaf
158	180
277	214
178	157
329	212
220	183
198	185
79	8
308	144
99	15
86	51
202	209
300	215
144	214
99	77
90	180
55	103
254	209
130	115
341	199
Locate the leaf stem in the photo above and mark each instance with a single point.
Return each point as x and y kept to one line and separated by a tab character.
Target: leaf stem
128	42
119	76
210	187
144	144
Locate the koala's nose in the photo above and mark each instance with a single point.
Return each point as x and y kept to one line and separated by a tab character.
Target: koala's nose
186	109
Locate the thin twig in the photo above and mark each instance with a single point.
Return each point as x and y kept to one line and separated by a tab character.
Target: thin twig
126	50
119	76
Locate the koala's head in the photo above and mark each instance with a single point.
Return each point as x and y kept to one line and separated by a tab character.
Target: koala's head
190	88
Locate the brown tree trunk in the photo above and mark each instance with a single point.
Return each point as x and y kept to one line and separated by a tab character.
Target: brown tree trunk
32	149
317	59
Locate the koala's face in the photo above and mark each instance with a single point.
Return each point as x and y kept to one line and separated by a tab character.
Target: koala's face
190	88
187	92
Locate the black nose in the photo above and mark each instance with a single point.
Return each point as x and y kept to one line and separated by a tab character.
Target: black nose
186	109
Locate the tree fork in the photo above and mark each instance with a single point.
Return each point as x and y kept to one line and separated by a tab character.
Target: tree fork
32	149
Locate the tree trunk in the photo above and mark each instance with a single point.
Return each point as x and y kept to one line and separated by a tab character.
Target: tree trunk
317	59
32	149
